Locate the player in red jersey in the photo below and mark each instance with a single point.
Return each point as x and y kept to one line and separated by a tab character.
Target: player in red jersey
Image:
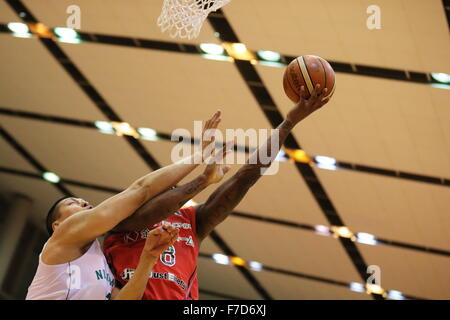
175	276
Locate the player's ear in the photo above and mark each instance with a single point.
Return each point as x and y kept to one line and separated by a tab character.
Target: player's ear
55	224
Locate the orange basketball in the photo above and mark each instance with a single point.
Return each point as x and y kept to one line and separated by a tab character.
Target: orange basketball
308	71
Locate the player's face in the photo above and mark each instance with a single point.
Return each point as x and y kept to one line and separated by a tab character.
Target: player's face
70	206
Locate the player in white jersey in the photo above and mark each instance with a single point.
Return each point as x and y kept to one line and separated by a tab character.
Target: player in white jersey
89	278
72	264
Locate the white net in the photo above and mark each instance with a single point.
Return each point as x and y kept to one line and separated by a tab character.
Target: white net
184	18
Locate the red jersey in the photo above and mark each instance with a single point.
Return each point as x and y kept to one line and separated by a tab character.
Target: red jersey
174	276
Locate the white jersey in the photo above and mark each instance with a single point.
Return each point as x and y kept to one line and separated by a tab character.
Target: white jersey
86	278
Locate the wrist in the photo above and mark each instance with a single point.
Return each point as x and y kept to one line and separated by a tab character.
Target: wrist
288	124
148	256
202	180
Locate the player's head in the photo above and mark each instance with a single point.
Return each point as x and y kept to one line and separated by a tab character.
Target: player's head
62	209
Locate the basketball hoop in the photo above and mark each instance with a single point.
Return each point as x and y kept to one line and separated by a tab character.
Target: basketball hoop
184	18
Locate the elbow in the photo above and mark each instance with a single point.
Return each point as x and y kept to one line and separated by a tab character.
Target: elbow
248	175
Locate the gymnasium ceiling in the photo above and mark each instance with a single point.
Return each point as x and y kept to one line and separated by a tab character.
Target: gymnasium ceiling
392	137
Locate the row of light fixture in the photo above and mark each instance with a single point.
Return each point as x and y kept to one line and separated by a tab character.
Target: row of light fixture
124	128
226	51
368	288
274	59
22	30
229	51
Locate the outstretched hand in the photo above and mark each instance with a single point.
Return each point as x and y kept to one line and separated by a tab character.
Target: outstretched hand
159	239
215	169
307	106
208	133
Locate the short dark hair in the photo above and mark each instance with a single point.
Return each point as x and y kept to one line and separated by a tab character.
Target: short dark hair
52	215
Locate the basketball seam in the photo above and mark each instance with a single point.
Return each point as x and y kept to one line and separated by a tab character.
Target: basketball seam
290	85
324	73
334	84
332	90
307	76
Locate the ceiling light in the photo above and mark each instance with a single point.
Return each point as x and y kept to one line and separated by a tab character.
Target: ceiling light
51	177
322	230
65	32
104	127
374	288
255	265
298	155
220	258
41	30
67	35
441	77
269	55
124	129
239	48
217	57
212	48
148	134
366	238
272	64
440	86
357	287
238	51
19	29
324	162
343	232
281	156
237	261
395	295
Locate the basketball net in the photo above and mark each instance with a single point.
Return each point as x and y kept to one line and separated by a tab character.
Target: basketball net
184	18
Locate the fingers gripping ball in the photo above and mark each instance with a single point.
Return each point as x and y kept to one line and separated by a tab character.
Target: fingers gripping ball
308	71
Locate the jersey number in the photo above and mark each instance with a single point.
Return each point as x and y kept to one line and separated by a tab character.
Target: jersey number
168	256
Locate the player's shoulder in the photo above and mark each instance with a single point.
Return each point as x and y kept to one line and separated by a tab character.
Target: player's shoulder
186	211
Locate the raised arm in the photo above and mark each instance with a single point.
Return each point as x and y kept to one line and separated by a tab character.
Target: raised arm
222	201
85	226
168	202
158	240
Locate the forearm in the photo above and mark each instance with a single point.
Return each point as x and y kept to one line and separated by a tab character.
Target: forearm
135	287
89	224
162	206
271	147
223	201
161	179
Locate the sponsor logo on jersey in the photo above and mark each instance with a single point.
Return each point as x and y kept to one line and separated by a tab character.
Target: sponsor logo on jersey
127	274
178	225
